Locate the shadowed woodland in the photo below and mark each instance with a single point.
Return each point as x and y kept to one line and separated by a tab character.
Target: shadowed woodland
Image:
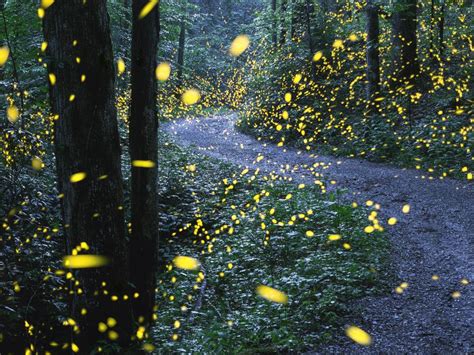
217	176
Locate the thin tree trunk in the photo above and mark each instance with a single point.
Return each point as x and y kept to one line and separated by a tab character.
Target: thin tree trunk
124	22
405	42
441	29
283	30
12	57
87	140
294	20
310	36
144	146
181	49
274	23
373	60
432	28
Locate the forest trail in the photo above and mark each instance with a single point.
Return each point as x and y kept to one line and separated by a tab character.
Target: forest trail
435	238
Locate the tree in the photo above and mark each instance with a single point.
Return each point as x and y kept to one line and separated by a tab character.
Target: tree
181	47
12	53
144	147
404	40
298	19
87	142
283	29
274	23
441	28
436	44
432	27
373	60
309	11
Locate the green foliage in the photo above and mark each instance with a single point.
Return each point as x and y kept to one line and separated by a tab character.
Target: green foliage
211	27
221	311
427	126
32	244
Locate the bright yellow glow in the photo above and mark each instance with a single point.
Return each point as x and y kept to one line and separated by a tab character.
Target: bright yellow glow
163	71
143	164
191	97
77	177
272	294
359	336
4	53
84	261
186	263
239	45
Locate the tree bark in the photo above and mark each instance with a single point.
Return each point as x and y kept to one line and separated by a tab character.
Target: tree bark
87	140
12	58
144	146
294	20
181	48
404	40
432	28
441	28
373	60
274	23
283	29
309	11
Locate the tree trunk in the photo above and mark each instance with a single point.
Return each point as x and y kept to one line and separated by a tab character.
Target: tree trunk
373	60
404	40
432	28
144	146
274	23
294	21
124	22
87	140
283	30
441	29
181	48
309	11
16	77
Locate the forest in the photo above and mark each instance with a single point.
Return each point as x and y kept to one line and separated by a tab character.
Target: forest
236	176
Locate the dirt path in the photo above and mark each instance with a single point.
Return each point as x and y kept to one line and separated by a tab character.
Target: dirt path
435	238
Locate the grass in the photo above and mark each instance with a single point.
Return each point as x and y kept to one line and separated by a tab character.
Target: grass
242	243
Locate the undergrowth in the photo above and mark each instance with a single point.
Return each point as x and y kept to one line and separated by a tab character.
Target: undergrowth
244	229
243	241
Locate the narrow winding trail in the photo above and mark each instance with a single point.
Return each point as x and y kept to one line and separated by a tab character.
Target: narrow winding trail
435	238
